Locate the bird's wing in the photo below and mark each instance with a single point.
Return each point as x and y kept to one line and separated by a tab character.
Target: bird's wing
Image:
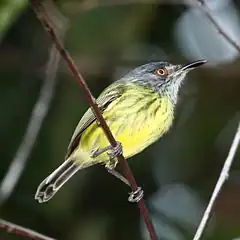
107	96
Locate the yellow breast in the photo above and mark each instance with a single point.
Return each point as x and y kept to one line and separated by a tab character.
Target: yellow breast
137	119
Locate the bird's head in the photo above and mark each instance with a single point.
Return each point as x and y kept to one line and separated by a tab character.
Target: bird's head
163	77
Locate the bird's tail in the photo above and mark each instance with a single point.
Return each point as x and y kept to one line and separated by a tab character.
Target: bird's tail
51	184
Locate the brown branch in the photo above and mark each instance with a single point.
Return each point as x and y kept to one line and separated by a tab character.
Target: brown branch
202	6
22	231
42	16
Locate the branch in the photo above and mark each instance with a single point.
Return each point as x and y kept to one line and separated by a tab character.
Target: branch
38	114
221	180
202	6
227	165
42	16
22	231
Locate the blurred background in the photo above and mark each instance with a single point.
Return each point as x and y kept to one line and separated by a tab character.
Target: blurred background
106	39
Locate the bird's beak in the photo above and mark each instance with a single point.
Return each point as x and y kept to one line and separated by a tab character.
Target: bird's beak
193	65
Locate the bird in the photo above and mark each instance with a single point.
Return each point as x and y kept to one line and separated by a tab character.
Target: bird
138	108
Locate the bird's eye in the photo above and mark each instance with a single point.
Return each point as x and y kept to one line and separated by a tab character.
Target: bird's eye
163	72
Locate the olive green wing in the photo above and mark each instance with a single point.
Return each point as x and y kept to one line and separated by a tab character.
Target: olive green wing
106	97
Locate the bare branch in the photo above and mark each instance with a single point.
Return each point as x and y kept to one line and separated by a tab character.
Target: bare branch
22	231
227	165
202	6
42	16
39	113
221	180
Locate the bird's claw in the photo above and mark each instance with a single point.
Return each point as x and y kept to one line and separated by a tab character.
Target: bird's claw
116	151
136	195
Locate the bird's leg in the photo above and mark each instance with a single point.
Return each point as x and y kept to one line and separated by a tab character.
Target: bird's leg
96	152
115	151
119	176
135	196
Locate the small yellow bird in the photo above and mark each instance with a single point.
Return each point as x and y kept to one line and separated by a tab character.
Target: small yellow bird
138	108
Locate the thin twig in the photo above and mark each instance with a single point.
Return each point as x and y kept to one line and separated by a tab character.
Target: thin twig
221	180
225	170
22	231
39	113
39	10
202	6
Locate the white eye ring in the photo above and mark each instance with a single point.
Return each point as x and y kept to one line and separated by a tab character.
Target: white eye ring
162	72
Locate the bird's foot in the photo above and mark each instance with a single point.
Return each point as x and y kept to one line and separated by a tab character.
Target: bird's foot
136	195
115	151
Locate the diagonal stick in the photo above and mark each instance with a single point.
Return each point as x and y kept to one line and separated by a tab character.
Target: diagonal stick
221	180
22	231
42	16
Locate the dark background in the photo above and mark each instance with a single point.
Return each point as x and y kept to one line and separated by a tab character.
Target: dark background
178	173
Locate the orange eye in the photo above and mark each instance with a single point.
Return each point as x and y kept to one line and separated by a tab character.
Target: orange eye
162	72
